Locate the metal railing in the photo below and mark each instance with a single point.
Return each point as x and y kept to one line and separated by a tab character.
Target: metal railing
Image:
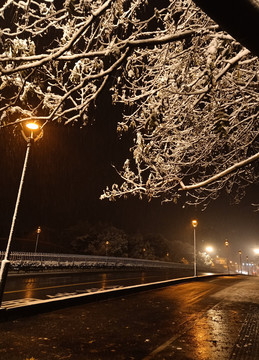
30	261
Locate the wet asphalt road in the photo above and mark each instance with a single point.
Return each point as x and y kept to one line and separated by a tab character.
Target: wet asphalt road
204	320
47	285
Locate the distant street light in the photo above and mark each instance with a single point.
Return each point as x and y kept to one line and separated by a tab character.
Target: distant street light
194	224
106	247
227	250
209	249
37	239
6	262
240	260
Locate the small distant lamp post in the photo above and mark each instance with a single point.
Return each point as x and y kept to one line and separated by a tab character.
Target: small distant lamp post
106	247
194	225
256	252
227	249
240	260
32	126
247	265
37	238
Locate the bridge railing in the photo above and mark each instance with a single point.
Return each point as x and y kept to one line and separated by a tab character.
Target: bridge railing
29	261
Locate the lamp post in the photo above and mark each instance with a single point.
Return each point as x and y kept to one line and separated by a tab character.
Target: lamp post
227	250
6	262
106	247
256	252
240	260
37	239
194	225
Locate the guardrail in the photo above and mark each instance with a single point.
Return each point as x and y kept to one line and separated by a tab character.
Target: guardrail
43	261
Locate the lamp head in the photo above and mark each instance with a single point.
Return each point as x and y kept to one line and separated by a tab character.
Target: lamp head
209	249
194	223
32	126
31	131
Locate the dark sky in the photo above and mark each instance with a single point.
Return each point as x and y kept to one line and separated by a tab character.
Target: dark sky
68	169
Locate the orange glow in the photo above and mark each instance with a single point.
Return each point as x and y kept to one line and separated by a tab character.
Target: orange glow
209	249
194	223
32	126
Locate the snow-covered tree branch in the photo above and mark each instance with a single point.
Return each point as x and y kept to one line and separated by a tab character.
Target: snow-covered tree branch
188	90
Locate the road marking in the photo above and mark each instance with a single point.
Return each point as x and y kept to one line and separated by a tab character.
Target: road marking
173	338
18	302
69	285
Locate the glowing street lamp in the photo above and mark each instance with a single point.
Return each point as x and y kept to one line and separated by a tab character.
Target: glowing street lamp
106	247
209	249
37	239
6	262
227	250
194	225
32	126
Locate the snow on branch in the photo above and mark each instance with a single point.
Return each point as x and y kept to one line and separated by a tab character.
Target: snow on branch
220	175
188	91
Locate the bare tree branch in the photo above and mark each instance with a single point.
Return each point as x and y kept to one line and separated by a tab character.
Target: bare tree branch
188	90
216	177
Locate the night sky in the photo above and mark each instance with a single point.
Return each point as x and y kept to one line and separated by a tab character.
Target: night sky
68	169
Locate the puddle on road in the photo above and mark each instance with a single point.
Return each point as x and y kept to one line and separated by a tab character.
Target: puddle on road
212	336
